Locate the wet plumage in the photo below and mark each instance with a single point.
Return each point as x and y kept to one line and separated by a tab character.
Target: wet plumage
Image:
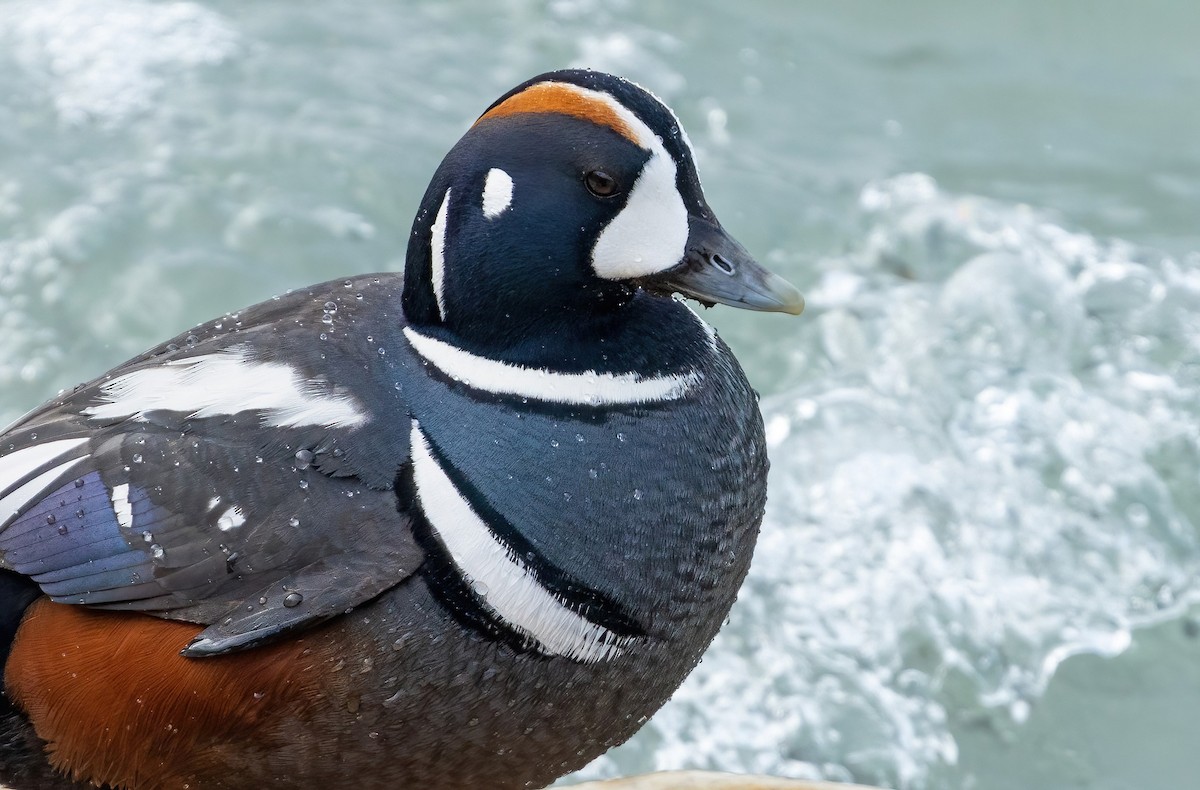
467	525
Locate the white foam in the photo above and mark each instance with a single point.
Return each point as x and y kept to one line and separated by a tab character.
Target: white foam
106	60
993	472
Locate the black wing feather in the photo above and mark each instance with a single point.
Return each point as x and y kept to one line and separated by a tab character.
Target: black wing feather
193	516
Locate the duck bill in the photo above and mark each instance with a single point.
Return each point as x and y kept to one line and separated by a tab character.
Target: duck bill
716	268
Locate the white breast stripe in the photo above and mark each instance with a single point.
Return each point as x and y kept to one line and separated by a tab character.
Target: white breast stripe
14	502
226	383
20	464
590	388
121	506
497	193
513	593
437	254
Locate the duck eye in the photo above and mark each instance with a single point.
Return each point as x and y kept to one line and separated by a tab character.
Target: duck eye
600	184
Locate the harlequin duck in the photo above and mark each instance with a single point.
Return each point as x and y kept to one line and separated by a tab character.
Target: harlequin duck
468	526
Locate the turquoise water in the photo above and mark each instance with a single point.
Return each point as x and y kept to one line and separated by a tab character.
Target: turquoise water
979	563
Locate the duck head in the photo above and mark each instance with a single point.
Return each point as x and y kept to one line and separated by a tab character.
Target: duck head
574	196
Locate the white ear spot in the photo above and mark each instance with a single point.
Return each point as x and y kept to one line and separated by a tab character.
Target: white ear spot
497	193
650	233
437	255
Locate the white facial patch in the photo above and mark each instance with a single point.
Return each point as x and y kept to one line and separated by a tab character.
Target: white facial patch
505	584
437	255
650	233
497	193
225	383
588	388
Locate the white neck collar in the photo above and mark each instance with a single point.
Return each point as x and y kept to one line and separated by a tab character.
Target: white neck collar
590	388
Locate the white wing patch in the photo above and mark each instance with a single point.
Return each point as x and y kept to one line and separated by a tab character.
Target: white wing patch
589	388
17	489
19	464
437	255
507	586
121	506
15	501
231	519
225	383
497	193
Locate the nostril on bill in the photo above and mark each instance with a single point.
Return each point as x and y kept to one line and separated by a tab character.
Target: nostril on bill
722	264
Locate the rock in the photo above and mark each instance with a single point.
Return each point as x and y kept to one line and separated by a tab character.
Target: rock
709	780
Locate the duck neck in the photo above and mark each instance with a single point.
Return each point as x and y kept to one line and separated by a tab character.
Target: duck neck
644	336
